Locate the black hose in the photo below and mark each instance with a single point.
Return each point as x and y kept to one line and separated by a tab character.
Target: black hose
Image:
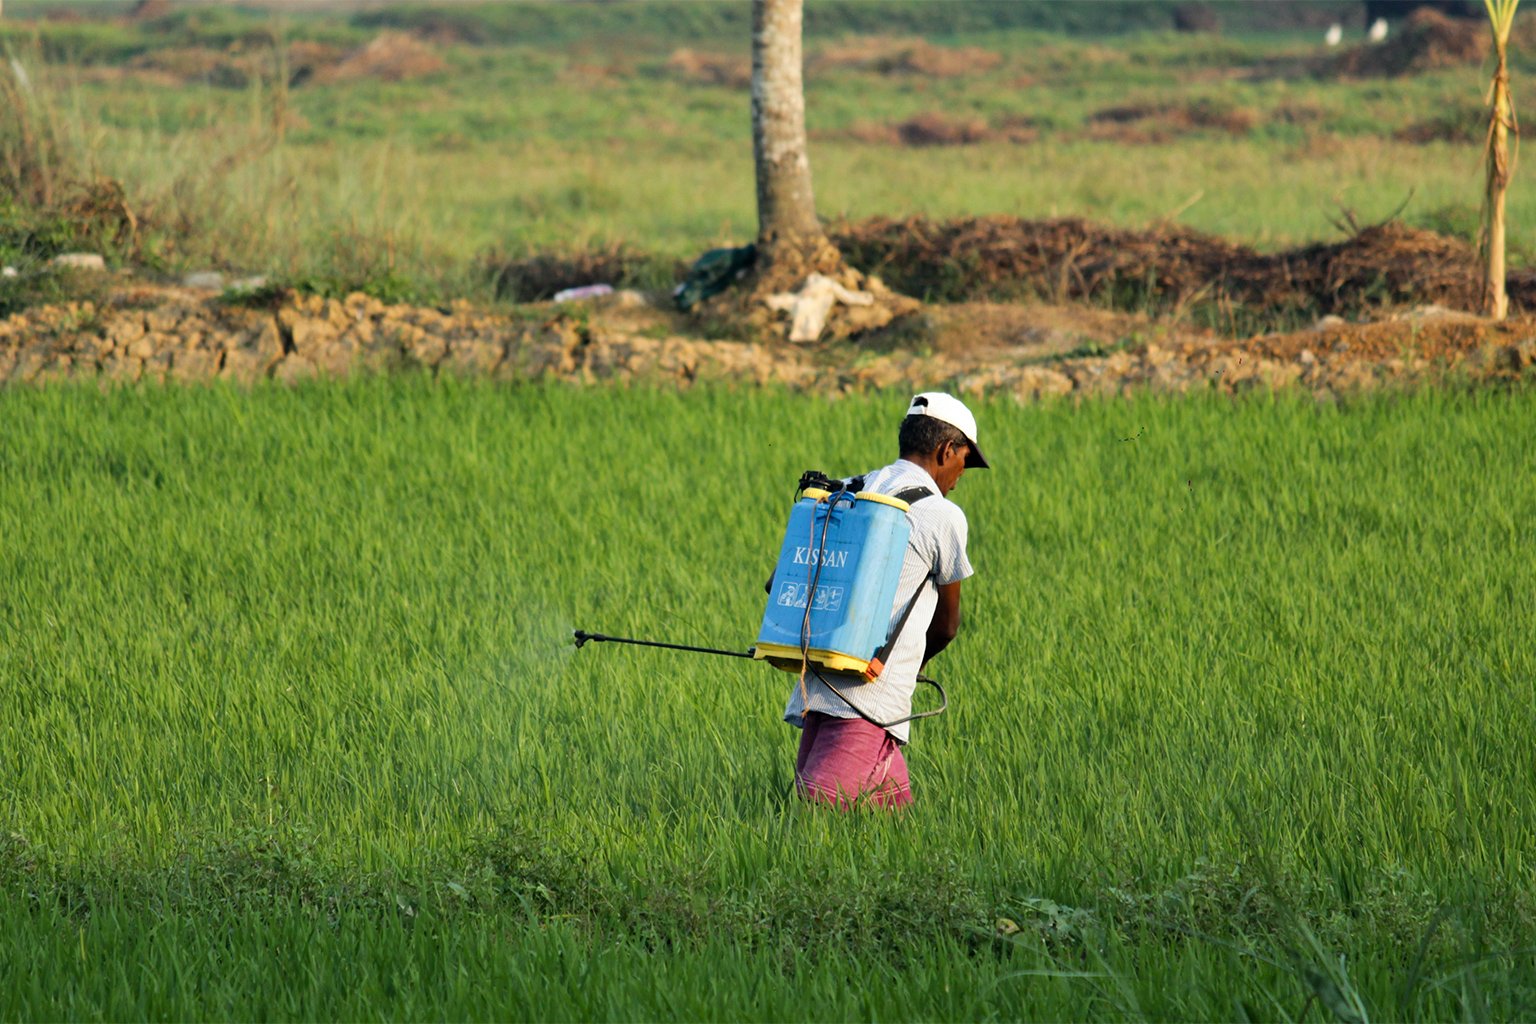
943	702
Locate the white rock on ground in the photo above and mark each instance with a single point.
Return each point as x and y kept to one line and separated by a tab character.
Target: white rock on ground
205	280
79	261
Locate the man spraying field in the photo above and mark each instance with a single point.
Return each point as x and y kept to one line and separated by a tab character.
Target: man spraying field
865	591
853	725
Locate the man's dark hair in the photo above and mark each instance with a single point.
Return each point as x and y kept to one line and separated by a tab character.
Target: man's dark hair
922	435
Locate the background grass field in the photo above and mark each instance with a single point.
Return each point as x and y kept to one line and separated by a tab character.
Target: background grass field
290	725
567	126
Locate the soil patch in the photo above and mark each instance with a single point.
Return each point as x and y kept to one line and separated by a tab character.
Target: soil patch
148	10
886	55
1132	124
732	71
1196	17
1149	123
936	129
1041	331
1461	123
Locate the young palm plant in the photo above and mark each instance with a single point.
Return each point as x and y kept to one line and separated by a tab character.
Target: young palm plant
1497	162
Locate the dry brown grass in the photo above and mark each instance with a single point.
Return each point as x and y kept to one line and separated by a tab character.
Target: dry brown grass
728	70
896	56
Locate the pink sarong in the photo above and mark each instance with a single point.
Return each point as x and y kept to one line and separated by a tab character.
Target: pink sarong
846	760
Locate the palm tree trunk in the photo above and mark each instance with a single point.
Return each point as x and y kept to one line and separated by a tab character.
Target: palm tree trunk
786	207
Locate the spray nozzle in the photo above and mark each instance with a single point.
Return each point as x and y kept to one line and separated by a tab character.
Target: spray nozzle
582	636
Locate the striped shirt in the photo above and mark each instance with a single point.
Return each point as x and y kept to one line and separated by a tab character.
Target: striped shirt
935	557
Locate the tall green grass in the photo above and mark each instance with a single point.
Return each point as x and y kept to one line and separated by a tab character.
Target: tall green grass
290	724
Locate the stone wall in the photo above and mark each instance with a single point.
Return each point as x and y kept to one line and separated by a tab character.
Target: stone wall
185	338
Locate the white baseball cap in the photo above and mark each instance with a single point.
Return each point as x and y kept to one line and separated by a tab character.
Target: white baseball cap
949	409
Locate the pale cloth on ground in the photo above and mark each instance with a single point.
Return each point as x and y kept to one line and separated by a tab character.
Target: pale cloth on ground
935	557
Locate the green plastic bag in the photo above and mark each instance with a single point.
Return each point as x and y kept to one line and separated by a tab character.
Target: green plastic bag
712	273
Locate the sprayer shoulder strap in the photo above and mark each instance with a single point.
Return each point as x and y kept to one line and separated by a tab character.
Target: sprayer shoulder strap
912	495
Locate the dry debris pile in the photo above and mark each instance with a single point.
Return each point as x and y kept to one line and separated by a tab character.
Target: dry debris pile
1426	41
1166	267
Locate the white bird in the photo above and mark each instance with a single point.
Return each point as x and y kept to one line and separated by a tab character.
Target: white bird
1335	34
1378	30
21	76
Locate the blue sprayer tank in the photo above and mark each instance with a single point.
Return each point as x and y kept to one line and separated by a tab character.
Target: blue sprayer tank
858	543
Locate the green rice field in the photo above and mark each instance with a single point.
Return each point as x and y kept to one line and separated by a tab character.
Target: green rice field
291	726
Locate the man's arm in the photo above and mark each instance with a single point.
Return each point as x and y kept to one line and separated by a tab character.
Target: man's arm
946	620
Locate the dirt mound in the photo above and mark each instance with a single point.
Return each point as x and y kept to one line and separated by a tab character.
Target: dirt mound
195	64
931	129
938	129
389	57
1165	267
1465	123
304	59
876	54
236	66
731	71
148	10
1150	123
1196	17
892	56
1426	41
